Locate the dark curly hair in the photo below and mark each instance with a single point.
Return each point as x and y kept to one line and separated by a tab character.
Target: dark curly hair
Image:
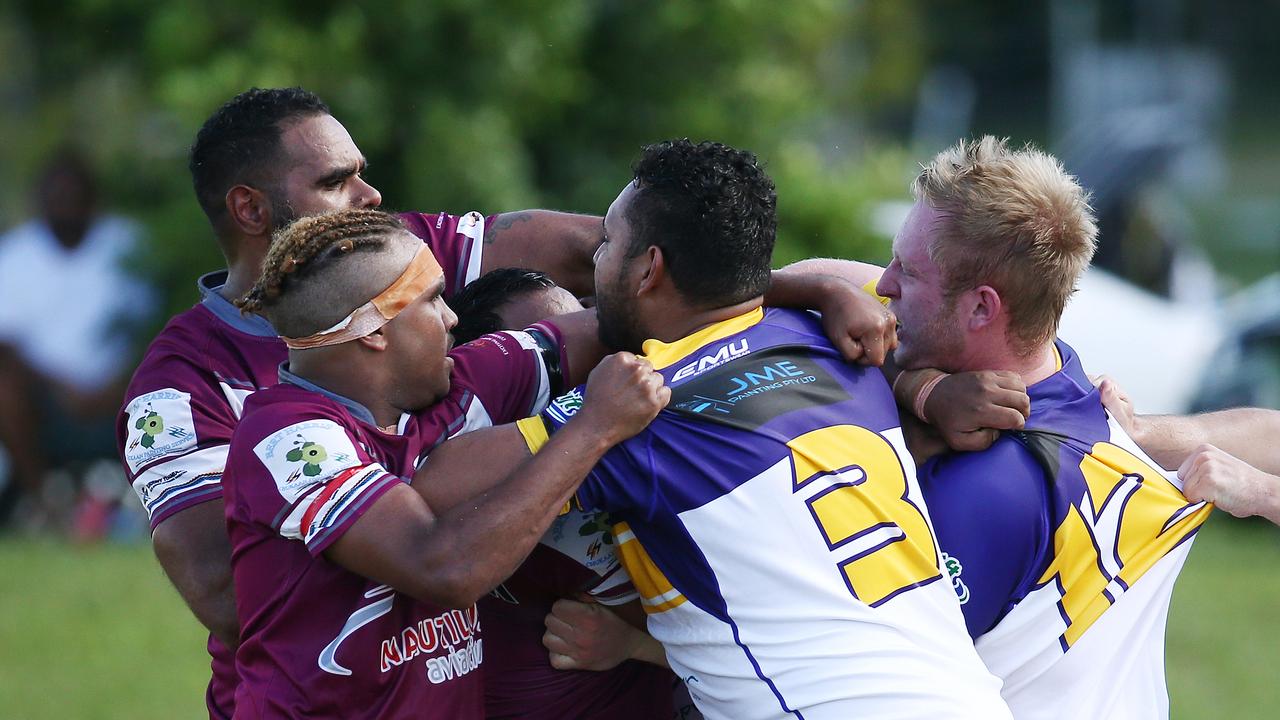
712	210
240	143
476	305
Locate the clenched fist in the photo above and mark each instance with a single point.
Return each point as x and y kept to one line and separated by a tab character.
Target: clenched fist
624	394
1230	483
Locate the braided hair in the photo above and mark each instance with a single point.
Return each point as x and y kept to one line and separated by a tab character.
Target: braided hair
311	243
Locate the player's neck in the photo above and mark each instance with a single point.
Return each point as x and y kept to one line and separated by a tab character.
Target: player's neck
689	321
1040	364
334	374
243	268
1032	368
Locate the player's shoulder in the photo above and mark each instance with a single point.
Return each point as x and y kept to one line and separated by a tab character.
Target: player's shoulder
285	406
186	336
492	353
1004	477
178	357
429	225
790	322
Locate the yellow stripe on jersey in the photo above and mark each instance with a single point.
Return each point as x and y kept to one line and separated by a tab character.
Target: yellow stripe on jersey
657	595
534	432
870	289
663	354
1144	517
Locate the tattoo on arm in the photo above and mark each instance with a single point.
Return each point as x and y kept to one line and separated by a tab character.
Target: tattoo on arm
504	222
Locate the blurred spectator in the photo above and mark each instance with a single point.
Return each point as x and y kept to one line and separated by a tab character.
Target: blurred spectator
67	303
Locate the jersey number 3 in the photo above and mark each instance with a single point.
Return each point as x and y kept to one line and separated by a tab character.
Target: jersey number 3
856	489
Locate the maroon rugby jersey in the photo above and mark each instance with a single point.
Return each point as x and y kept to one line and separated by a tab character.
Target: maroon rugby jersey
576	556
186	397
304	465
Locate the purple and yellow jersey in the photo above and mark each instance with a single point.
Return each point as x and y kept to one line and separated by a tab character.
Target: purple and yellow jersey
304	465
772	523
186	397
1063	542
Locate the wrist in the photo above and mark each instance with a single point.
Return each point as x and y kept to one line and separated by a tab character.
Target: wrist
648	650
596	435
1272	503
912	389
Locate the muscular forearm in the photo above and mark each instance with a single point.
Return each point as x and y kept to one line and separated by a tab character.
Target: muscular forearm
560	244
851	271
1251	434
802	289
451	555
193	549
583	349
856	323
498	528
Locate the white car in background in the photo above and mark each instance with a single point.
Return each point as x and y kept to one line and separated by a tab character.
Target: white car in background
1179	357
1157	349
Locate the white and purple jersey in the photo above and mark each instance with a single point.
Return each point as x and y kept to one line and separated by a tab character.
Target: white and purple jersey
316	639
771	521
1063	542
187	395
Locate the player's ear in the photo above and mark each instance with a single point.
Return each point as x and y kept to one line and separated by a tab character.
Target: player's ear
376	341
655	271
986	307
249	210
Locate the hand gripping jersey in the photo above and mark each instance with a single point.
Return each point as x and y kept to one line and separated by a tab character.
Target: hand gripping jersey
774	528
187	395
1063	543
577	555
317	640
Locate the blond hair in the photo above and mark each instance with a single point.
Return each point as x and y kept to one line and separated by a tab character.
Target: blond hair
1014	220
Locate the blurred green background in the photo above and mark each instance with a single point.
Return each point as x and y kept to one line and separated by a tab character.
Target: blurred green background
1164	108
96	633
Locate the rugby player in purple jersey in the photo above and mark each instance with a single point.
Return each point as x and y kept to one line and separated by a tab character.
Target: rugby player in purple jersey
262	159
1062	540
356	596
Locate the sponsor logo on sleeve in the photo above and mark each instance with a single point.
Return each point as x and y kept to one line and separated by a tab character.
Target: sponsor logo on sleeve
525	339
586	537
471	225
565	406
159	425
954	569
306	454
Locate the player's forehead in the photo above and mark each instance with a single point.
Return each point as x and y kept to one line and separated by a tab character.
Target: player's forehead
318	144
615	217
917	231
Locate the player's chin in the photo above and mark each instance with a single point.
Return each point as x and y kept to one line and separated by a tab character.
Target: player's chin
904	355
446	377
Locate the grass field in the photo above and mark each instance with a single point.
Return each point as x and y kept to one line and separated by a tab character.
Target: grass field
97	633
